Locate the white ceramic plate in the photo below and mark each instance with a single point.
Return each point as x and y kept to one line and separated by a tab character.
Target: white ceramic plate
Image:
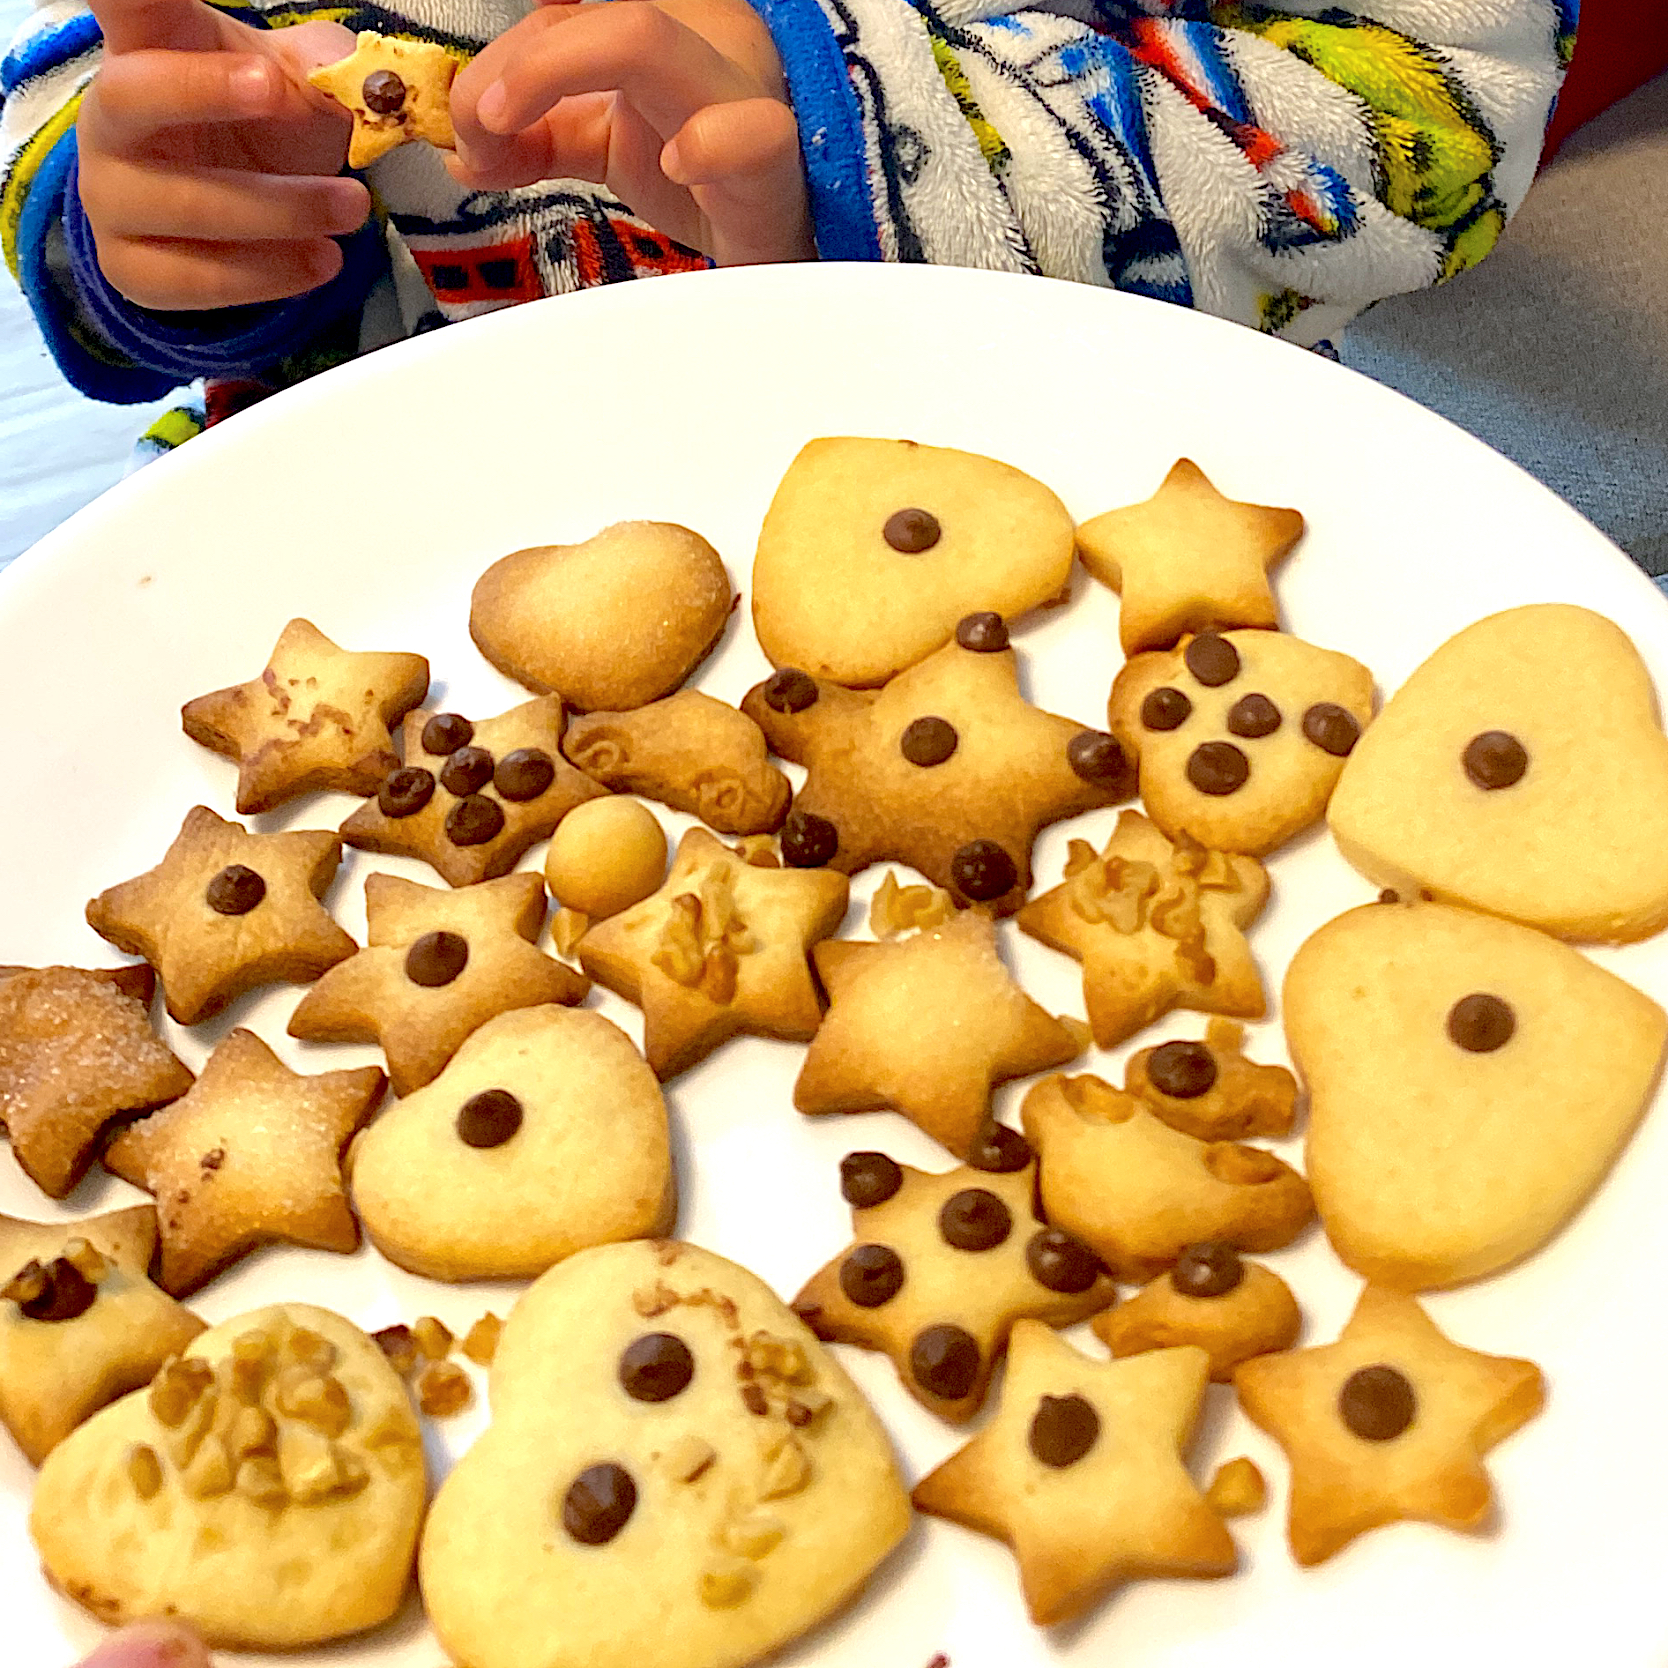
371	498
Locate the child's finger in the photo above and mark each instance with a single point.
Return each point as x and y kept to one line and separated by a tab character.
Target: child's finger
221	205
136	25
743	165
180	276
150	1645
142	94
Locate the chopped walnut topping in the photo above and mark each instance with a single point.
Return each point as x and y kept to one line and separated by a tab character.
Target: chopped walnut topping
308	1462
650	1301
688	1458
726	1582
480	1344
28	1285
259	1478
144	1471
443	1389
210	1471
787	1469
1175	912
86	1260
177	1387
569	926
1111	890
318	1400
754	1400
434	1338
773	1357
253	1431
398	1345
311	1350
702	936
897	909
755	1535
1237	1488
806	1406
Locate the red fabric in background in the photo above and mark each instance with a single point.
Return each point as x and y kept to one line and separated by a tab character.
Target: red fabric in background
1619	45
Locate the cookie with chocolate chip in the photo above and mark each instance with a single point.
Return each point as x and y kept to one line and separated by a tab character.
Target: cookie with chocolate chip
397	91
1209	1089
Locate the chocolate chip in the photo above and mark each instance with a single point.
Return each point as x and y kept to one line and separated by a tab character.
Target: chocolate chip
1210	1268
1377	1403
868	1179
446	732
1063	1430
790	690
383	92
983	633
928	741
1182	1070
405	792
1217	768
1332	729
1389	895
808	841
489	1119
67	1293
1096	757
1252	716
871	1275
1480	1023
467	771
474	821
1495	759
982	870
524	774
944	1361
1060	1263
235	890
999	1150
655	1367
974	1220
436	959
598	1504
1213	660
1165	709
909	532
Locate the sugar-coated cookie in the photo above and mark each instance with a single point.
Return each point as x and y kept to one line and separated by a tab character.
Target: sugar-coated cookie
609	624
1209	1090
1522	769
1187	559
76	1052
948	768
1470	1083
872	550
396	91
267	1488
436	965
317	717
545	1133
1082	1472
226	911
677	1475
690	752
1138	1193
941	1266
1389	1423
1157	925
605	856
80	1324
1239	736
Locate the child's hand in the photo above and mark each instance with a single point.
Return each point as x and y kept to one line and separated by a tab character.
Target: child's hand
150	1645
677	106
208	166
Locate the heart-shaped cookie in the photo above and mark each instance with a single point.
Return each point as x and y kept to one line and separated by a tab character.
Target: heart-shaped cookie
1522	769
677	1475
1470	1082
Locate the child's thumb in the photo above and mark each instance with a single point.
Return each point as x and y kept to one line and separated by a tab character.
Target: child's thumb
150	1645
310	46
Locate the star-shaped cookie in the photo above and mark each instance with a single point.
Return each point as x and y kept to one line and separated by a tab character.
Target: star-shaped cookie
76	1051
1156	925
1082	1473
396	91
227	910
948	768
926	1025
1389	1423
719	950
941	1266
1187	559
317	717
472	797
251	1155
436	965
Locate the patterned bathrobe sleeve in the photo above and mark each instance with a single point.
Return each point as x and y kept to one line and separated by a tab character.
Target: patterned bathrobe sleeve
1283	166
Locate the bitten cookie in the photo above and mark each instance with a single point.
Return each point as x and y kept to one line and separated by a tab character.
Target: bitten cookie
396	91
317	717
610	624
267	1488
1522	770
1440	1048
1239	737
545	1133
1389	1423
677	1475
1082	1472
943	1265
1209	1090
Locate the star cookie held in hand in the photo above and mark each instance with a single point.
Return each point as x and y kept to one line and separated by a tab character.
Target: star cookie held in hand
396	91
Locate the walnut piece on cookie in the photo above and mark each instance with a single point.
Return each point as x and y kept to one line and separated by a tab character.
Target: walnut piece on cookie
80	1323
76	1051
1389	1423
226	911
1209	1090
396	90
251	1155
317	717
1187	559
1082	1472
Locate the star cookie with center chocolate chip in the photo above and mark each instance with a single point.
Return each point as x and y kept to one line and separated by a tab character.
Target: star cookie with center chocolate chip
1157	925
251	1155
436	965
721	949
1187	559
227	910
1083	1473
943	1265
396	91
472	797
926	1025
76	1051
317	717
1388	1424
948	768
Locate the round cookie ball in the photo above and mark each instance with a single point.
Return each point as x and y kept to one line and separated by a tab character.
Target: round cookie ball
605	856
